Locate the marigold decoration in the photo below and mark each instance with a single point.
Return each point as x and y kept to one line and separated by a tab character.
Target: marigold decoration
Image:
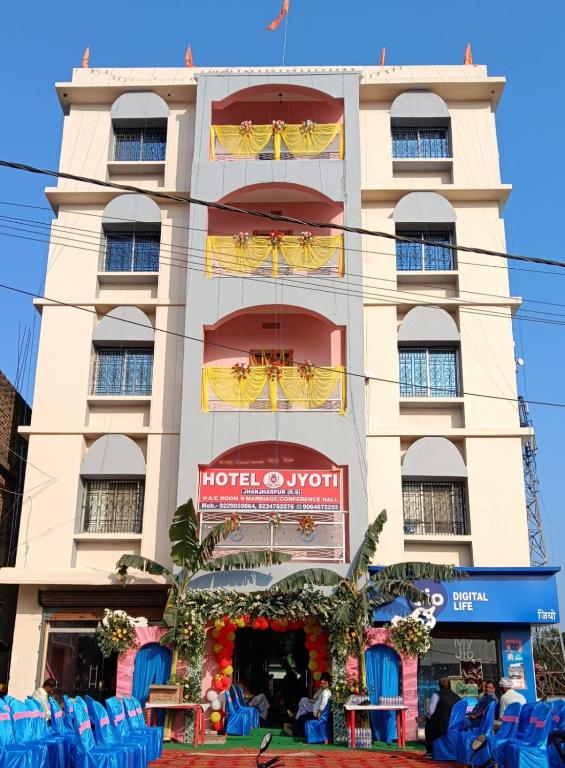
278	126
409	636
307	370
306	525
276	237
246	127
241	240
233	522
306	238
274	371
274	520
308	127
115	633
240	371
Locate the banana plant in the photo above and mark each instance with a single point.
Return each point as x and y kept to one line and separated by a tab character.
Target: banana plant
359	591
191	556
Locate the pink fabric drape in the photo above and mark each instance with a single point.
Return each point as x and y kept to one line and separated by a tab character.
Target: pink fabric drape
409	673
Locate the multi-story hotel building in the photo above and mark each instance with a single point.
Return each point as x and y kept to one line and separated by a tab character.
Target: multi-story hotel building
215	354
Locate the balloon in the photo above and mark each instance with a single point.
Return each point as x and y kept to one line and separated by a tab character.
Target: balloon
240	622
231	625
228	670
216	705
219	623
212	696
318	630
312	666
313	654
230	636
228	648
317	675
217	726
215	717
226	681
284	622
224	662
218	648
276	627
218	685
215	633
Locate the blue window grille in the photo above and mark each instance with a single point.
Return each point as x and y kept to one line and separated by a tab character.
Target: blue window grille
420	256
434	508
428	372
140	144
112	506
428	143
122	371
131	252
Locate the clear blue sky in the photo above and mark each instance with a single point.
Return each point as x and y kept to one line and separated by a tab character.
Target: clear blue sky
40	43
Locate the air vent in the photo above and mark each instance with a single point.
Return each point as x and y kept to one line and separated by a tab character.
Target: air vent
271	326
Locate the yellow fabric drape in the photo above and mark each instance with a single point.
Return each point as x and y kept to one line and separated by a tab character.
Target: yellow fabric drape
237	392
231	257
313	255
315	391
298	141
246	259
238	143
313	142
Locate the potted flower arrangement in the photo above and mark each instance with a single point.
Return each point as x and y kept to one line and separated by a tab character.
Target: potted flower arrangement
274	370
409	636
115	633
246	127
305	238
233	523
276	237
308	127
274	520
278	126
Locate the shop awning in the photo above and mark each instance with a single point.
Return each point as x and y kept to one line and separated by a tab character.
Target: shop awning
488	595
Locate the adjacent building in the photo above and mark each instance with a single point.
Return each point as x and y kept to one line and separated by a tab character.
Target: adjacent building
265	367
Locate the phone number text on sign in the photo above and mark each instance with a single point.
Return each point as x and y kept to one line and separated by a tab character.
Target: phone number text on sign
290	490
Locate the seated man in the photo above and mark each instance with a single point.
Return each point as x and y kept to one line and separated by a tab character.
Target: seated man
261	702
508	695
297	723
43	693
439	710
475	716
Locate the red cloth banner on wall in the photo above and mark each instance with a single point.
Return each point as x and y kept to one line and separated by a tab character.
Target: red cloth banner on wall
292	490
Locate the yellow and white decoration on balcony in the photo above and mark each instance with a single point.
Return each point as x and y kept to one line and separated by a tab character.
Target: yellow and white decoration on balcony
244	254
248	140
306	387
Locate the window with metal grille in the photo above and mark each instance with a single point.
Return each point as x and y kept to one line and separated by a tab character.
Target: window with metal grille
122	371
428	372
420	256
141	144
420	142
112	506
434	508
131	252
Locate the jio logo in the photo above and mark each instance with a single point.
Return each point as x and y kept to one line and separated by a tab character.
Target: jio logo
437	594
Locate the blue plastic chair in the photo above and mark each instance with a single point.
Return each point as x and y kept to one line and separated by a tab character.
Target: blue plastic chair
237	724
89	754
521	737
465	738
121	729
507	731
23	723
137	725
240	706
318	731
554	757
69	714
58	726
533	752
130	755
58	754
445	746
16	755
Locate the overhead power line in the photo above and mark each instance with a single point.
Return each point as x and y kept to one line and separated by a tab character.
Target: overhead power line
178	334
270	216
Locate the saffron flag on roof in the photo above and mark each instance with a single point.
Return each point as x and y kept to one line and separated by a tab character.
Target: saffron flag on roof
284	10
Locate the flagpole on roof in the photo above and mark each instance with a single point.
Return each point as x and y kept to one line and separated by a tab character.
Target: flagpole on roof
285	30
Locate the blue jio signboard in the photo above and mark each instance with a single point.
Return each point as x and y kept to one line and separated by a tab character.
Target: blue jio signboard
487	595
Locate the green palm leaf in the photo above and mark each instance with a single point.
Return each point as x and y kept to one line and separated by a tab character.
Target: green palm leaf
253	559
209	544
309	577
141	563
184	534
387	590
366	553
